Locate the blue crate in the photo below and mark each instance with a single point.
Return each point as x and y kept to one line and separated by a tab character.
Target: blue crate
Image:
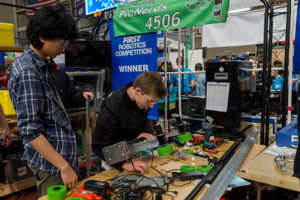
288	136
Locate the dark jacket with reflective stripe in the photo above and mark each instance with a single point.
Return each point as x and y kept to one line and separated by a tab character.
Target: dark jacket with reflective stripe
119	119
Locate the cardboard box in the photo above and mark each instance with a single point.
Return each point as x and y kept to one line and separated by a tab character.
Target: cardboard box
16	170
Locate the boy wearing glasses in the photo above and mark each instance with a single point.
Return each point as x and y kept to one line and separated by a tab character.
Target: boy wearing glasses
49	141
123	116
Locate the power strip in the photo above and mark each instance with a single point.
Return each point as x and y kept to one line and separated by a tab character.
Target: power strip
187	176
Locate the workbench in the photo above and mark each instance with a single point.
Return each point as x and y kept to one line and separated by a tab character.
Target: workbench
263	170
168	163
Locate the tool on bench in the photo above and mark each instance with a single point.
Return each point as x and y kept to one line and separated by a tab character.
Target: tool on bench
211	162
85	194
93	190
181	153
206	126
199	139
285	162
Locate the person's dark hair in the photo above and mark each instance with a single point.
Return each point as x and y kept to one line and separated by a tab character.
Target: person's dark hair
210	60
198	67
224	57
181	61
51	22
151	83
280	72
277	63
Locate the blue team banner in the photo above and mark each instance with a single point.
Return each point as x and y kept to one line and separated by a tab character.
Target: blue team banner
132	55
296	61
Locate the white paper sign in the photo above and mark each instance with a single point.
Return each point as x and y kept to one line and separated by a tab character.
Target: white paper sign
217	95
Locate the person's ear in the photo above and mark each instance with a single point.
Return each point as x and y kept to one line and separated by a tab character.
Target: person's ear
42	40
137	90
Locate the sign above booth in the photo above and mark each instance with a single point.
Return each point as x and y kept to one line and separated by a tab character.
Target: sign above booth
144	16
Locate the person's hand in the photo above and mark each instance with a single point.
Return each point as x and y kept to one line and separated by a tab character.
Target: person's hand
148	136
6	137
69	177
139	165
88	95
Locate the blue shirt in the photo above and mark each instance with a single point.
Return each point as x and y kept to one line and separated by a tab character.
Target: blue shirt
279	81
200	85
40	112
187	78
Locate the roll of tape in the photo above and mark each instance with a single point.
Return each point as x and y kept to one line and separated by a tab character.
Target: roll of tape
165	150
184	137
56	192
187	168
204	168
75	198
189	151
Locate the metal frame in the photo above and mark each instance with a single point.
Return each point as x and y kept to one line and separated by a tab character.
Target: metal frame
98	101
99	86
266	75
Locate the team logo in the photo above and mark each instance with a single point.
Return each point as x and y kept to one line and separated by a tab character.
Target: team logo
193	5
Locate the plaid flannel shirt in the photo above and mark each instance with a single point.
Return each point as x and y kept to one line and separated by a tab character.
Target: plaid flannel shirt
40	112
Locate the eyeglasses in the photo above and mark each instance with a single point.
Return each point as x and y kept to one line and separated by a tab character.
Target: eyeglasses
148	101
64	42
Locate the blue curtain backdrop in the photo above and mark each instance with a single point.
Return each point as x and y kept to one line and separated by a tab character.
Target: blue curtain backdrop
296	64
132	55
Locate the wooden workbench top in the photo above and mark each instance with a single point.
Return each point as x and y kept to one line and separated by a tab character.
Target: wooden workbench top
264	170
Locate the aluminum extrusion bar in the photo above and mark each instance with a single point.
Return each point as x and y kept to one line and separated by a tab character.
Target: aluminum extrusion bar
214	171
87	139
216	190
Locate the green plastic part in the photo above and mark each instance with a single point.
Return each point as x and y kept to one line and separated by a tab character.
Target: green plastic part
56	192
189	151
204	168
187	168
165	150
184	137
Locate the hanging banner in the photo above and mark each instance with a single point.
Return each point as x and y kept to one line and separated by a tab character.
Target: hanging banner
144	16
296	60
131	56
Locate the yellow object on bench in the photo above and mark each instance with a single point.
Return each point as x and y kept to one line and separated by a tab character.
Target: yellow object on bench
6	103
7	34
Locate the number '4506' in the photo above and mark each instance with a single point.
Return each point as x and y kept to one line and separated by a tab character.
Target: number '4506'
163	21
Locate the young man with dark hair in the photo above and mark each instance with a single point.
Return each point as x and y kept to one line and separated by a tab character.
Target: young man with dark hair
123	116
49	141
